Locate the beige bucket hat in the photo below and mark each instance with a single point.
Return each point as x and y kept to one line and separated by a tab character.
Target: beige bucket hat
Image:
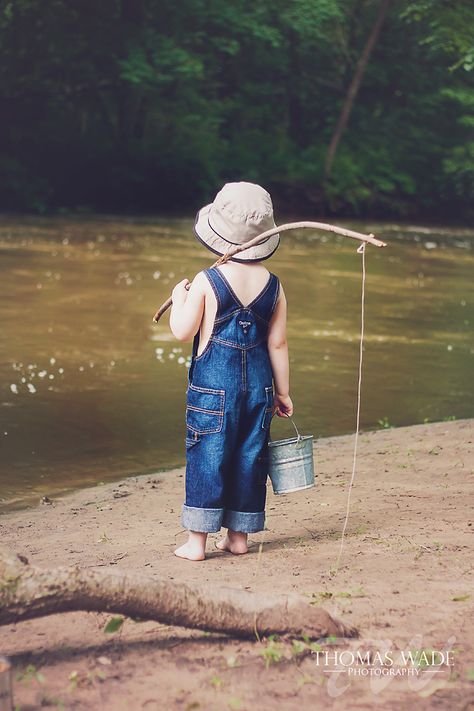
240	211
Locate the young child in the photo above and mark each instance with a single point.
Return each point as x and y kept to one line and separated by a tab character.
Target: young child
236	314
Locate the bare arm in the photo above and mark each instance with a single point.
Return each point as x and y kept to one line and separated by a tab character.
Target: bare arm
278	352
187	308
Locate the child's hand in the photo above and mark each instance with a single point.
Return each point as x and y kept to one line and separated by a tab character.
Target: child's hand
283	404
179	292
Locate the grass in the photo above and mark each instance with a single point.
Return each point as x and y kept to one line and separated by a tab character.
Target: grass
216	681
30	673
273	651
276	651
318	597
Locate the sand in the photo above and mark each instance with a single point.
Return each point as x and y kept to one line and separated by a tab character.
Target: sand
406	577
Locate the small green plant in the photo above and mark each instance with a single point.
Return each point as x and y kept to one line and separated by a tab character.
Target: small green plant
384	423
216	681
329	595
273	652
30	673
114	624
298	647
449	418
470	674
314	646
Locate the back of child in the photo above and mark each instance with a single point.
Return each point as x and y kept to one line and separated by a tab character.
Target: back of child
239	374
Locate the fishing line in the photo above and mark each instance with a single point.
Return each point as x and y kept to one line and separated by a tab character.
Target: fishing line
360	250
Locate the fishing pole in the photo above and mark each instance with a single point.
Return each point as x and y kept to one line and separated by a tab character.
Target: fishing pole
276	230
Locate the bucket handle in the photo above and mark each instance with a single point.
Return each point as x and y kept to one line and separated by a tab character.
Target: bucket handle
292	422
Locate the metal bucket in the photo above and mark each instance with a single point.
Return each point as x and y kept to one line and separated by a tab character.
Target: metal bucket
291	465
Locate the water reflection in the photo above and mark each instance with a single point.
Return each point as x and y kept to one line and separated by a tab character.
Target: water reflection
92	390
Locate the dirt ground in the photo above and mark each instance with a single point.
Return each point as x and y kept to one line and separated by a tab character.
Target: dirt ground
405	580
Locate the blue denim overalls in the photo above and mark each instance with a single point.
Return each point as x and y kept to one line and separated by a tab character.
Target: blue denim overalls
229	408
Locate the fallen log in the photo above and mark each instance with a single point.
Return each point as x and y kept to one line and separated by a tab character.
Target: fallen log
27	591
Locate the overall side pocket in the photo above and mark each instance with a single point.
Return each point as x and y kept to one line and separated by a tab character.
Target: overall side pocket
268	411
191	439
204	409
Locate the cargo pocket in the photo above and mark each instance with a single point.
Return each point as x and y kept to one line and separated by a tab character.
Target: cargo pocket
191	439
204	409
263	462
268	411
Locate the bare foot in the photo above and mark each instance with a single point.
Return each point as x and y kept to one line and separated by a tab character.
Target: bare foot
234	542
192	550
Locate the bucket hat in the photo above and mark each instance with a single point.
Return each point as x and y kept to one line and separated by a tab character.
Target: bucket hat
240	211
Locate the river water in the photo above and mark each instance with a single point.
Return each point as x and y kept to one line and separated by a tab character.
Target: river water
92	390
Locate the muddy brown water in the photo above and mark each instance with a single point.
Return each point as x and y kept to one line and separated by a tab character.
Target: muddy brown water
92	390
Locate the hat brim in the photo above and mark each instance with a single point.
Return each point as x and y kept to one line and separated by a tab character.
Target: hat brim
219	245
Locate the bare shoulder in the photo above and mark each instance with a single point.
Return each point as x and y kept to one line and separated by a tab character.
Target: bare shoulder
202	285
200	282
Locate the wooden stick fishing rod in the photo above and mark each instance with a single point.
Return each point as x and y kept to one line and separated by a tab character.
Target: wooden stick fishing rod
275	230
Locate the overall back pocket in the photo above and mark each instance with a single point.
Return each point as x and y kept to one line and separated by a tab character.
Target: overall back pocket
204	409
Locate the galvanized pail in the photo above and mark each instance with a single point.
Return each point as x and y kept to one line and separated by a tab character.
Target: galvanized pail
291	465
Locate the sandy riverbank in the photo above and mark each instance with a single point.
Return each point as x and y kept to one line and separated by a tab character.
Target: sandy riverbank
406	576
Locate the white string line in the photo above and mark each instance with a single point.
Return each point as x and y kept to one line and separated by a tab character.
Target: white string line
361	250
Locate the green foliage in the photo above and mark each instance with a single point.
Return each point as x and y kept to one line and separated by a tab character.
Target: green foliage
147	104
450	28
273	652
114	624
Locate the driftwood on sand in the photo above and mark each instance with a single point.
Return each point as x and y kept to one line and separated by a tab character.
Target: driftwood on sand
276	230
27	592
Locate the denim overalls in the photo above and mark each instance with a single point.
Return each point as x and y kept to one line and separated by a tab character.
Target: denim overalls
229	404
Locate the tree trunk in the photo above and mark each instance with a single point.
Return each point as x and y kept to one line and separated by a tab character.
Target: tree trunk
354	88
27	592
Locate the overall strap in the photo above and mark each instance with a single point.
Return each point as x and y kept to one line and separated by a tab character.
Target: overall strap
226	299
264	304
